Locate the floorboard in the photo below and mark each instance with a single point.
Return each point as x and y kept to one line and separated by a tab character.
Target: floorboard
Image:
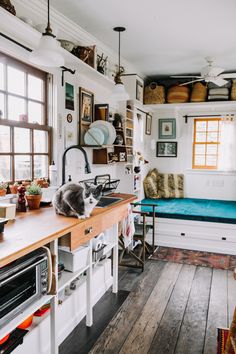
192	332
115	334
217	312
140	338
166	336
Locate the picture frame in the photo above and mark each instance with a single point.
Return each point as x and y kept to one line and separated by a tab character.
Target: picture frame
101	112
139	91
166	149
167	128
148	126
69	96
86	106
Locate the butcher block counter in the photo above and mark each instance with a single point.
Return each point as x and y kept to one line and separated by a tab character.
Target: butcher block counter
33	229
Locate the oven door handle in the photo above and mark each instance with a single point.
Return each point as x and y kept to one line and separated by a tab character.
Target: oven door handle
50	270
20	272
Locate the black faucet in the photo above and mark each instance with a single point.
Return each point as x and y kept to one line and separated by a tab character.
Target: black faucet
87	166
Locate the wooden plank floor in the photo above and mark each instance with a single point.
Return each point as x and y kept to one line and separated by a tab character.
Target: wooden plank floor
171	309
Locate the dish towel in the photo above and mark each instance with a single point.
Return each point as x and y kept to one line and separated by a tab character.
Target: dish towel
128	228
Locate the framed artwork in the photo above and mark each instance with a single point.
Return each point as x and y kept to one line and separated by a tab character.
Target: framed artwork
166	149
167	128
148	127
86	106
101	112
69	99
139	91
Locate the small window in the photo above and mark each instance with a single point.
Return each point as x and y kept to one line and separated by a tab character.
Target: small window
206	143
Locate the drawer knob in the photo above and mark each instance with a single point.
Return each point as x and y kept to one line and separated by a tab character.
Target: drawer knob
182	234
88	230
223	238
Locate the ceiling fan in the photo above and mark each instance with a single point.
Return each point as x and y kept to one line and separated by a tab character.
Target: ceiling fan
209	73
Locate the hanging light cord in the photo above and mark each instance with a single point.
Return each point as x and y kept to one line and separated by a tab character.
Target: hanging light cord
119	52
48	30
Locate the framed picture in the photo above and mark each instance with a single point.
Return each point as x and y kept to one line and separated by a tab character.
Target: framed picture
139	91
148	128
69	100
167	128
166	149
86	106
101	112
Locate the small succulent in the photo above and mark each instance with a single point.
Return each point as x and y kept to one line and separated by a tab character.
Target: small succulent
3	185
34	189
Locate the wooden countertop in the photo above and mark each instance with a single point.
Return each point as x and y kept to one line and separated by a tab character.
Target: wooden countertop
34	229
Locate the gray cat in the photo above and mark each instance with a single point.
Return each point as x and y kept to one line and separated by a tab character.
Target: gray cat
74	199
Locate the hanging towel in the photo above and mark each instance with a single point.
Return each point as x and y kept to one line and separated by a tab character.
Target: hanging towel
127	228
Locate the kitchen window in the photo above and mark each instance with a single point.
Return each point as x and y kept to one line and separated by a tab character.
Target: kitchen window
24	132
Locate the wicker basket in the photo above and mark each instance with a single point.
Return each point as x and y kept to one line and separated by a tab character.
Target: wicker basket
233	91
178	94
154	94
199	92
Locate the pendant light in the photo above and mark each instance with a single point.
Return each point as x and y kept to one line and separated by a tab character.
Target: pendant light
48	53
119	93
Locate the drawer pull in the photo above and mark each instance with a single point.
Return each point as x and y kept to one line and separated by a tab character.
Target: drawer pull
88	230
182	234
223	238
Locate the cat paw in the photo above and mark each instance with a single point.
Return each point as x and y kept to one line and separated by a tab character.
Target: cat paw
87	216
81	217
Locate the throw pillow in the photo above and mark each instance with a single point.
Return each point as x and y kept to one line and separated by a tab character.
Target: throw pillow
170	185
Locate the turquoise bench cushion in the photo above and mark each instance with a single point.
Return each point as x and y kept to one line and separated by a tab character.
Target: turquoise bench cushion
222	211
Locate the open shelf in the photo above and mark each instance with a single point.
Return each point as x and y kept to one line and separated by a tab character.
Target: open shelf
210	105
22	316
68	277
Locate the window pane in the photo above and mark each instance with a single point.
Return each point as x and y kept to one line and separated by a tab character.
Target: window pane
212	149
21	140
2	106
211	160
2	76
16	107
35	88
5	139
15	81
35	112
200	137
40	166
200	149
212	125
22	167
199	160
201	126
212	137
40	141
5	168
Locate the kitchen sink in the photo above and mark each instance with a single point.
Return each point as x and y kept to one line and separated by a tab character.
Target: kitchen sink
107	201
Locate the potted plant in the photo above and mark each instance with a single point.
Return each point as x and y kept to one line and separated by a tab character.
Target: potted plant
14	187
33	196
3	189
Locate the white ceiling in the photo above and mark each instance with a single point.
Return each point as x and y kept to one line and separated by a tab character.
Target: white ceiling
163	37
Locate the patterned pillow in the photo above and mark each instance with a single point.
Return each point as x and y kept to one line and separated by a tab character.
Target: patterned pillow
150	184
170	185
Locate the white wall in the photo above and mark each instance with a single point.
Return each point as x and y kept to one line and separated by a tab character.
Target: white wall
198	184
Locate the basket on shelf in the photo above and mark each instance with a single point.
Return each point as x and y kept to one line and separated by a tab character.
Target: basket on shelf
109	185
154	94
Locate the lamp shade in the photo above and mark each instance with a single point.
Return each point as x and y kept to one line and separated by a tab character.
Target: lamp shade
48	53
119	93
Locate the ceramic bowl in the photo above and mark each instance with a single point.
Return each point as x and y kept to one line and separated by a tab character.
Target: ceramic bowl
67	45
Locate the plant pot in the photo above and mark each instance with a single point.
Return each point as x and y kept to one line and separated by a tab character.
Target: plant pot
3	192
13	189
33	201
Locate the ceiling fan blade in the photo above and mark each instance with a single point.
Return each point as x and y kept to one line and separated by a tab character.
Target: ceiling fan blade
218	81
185	76
190	82
228	76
